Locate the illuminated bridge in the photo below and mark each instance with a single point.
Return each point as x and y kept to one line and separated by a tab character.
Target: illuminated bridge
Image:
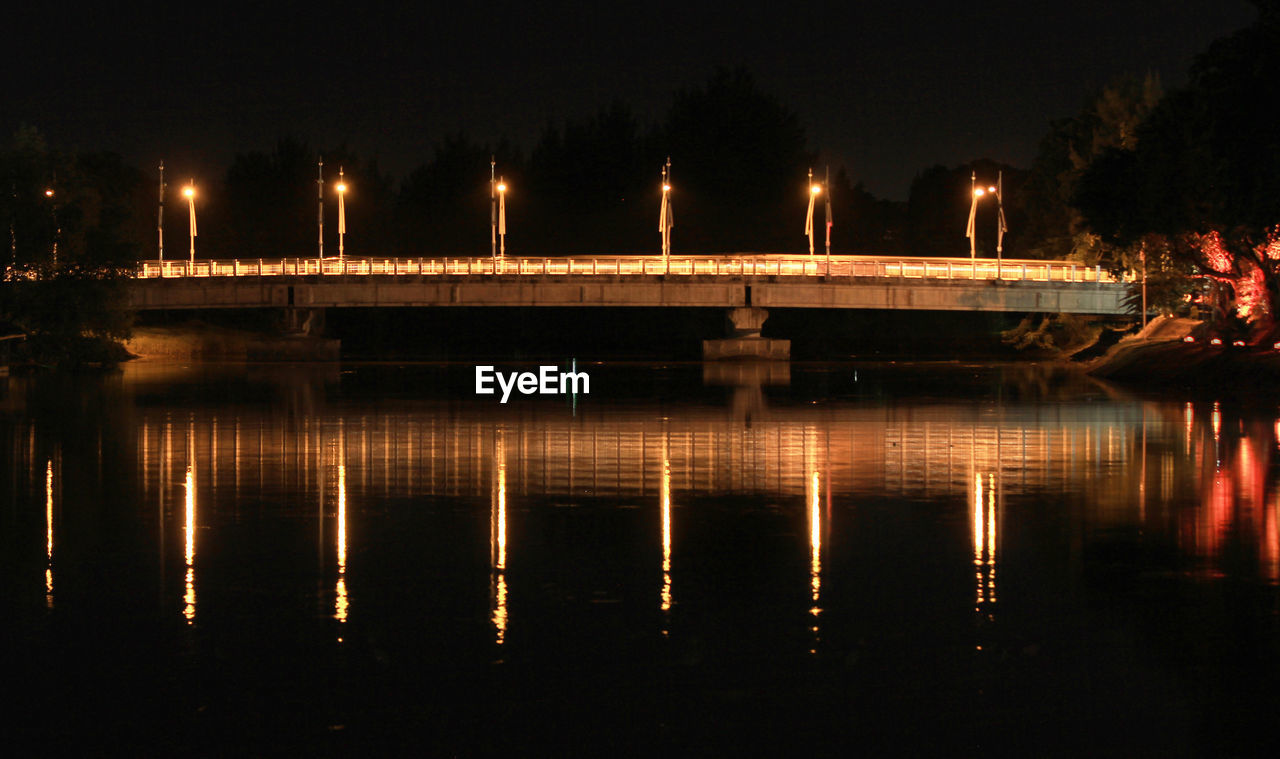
724	281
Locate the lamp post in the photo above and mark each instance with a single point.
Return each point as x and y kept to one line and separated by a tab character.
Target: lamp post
493	214
666	219
502	219
826	195
976	194
1001	226
160	222
342	213
57	230
320	207
814	191
190	192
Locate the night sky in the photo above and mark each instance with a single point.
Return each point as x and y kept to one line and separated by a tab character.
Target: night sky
884	89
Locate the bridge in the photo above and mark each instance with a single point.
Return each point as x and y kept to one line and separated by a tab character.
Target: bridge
744	283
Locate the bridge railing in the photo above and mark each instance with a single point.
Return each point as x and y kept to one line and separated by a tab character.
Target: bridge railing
731	265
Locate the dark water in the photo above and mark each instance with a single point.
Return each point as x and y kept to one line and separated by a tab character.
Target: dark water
841	559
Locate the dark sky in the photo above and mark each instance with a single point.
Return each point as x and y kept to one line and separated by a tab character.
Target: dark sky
885	89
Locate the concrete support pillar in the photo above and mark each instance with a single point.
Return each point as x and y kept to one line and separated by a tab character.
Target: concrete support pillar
744	339
746	321
304	321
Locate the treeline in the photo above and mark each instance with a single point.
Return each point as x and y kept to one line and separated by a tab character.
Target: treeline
1183	184
740	162
739	158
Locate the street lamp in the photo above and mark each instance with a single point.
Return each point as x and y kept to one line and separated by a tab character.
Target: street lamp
814	191
502	218
190	192
57	230
160	223
342	213
977	193
1001	226
666	219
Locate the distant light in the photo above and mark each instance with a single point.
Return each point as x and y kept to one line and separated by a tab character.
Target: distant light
1190	339
815	189
1238	343
342	187
48	193
1276	346
189	191
978	192
1216	341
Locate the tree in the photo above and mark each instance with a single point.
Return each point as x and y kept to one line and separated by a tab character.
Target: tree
266	206
1110	121
740	159
75	233
939	203
1205	173
443	205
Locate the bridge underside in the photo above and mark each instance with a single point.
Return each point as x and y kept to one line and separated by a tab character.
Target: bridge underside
646	291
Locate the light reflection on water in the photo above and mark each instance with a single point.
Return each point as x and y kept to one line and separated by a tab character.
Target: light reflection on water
980	484
237	457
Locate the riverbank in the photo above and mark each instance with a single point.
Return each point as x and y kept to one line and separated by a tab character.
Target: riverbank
207	341
1182	351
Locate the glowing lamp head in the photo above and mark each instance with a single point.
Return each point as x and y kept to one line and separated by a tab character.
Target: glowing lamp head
502	187
991	189
1216	341
189	191
1189	339
978	192
815	189
666	188
1238	343
342	187
48	193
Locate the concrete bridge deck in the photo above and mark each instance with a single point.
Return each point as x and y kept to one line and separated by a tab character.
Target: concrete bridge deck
725	281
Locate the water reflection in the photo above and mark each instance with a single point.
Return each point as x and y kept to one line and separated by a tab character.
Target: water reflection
341	604
984	541
665	604
1200	478
815	553
189	531
48	539
498	542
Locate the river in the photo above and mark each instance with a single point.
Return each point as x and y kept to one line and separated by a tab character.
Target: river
889	558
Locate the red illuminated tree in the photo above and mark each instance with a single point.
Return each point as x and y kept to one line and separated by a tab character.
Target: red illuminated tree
1205	172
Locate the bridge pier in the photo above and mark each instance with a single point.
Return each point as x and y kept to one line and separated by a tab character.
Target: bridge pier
744	340
304	321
